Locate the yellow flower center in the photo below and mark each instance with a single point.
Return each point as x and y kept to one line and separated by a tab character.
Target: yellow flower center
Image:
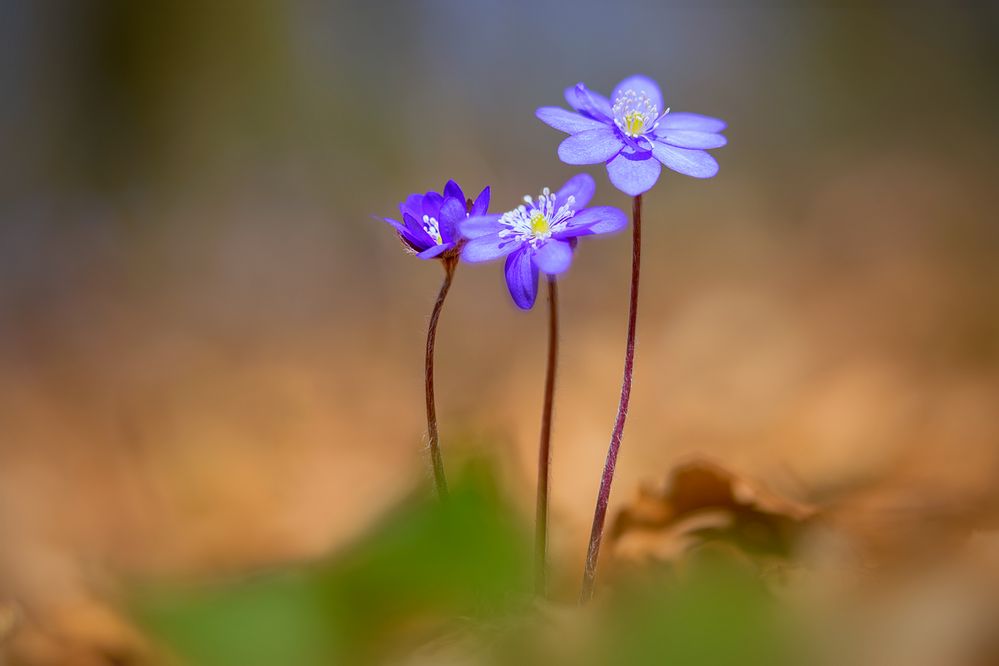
534	221
634	123
635	114
539	223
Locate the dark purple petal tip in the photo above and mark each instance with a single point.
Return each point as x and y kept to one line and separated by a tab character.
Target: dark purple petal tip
481	203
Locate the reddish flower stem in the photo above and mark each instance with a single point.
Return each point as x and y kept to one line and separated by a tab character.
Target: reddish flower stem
544	449
603	496
437	462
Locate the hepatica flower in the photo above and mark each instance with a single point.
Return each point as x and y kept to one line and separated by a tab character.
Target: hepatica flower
429	221
429	228
538	236
635	134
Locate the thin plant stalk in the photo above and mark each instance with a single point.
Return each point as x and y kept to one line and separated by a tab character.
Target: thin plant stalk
437	462
544	448
603	496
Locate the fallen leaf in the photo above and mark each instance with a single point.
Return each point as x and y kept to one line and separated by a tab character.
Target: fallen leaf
703	502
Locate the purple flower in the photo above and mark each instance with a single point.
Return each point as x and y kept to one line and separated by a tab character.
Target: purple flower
632	135
539	235
429	221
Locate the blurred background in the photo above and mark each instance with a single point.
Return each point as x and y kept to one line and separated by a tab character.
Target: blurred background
211	354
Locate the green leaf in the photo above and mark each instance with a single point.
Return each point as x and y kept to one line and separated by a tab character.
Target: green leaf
424	565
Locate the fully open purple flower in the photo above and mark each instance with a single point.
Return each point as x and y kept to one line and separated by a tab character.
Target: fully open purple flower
634	134
539	235
429	221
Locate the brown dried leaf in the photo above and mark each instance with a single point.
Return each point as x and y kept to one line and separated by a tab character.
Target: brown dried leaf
704	502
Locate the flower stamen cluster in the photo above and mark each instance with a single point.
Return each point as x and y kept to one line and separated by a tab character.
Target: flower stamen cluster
535	221
635	114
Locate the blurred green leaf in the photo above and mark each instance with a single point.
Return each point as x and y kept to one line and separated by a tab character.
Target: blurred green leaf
717	615
426	564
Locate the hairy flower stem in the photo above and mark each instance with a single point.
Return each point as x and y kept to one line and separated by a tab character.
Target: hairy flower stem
544	449
440	482
600	515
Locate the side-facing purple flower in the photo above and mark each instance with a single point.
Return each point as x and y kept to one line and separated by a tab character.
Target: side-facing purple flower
429	229
634	135
429	221
539	235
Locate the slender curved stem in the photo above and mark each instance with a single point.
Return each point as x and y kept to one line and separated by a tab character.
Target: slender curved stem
544	449
437	462
603	496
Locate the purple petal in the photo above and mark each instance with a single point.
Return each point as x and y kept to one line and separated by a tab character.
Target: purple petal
597	220
432	204
481	204
692	139
641	84
451	189
487	248
432	252
419	235
588	103
633	176
553	256
691	121
696	163
404	233
478	226
412	205
590	147
581	186
451	213
399	226
566	121
522	278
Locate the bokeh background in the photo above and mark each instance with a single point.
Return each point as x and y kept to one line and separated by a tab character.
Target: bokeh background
211	354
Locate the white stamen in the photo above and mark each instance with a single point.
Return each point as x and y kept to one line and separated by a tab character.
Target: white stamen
635	114
433	229
538	220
